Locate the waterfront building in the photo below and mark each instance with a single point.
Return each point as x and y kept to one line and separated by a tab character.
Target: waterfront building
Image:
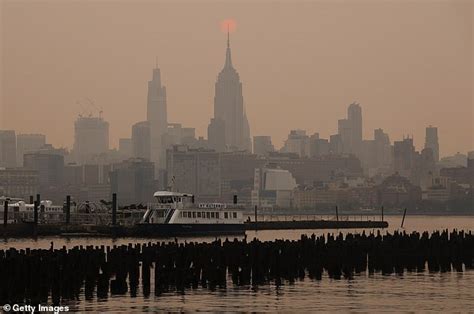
397	191
273	187
195	171
219	176
461	175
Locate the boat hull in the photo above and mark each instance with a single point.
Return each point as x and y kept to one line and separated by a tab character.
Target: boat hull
174	230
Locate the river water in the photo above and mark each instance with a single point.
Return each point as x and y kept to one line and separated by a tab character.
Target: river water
450	291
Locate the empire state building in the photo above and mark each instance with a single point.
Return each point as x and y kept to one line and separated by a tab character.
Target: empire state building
229	130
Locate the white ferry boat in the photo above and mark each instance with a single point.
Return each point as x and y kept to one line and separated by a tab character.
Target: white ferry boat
177	214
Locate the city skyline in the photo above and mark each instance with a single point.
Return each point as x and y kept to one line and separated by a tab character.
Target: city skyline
315	105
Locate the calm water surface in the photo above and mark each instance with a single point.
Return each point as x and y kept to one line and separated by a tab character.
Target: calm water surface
413	291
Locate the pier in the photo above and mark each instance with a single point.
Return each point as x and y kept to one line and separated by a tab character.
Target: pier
20	230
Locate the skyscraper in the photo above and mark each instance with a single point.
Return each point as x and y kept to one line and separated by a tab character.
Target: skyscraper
404	157
431	141
50	167
91	138
229	106
354	116
216	135
350	130
298	143
7	148
133	181
125	148
27	143
157	116
141	140
262	145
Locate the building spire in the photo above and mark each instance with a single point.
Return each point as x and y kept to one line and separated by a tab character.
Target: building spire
228	58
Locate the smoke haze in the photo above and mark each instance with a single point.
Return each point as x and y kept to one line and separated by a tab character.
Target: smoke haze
408	63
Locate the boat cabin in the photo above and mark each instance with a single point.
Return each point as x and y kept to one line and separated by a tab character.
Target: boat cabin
180	208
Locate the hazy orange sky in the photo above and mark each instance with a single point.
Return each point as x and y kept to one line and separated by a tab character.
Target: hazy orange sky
408	63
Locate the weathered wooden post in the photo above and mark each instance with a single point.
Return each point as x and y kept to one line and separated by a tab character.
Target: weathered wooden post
382	213
31	199
337	214
114	209
68	209
5	213
403	219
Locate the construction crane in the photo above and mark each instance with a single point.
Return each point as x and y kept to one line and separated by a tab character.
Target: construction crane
86	101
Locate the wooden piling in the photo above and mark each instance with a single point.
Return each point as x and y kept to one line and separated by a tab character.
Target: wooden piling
337	214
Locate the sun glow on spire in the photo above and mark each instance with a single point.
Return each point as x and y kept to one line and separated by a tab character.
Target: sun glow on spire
228	26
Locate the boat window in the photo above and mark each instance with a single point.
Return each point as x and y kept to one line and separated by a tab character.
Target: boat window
217	215
199	214
208	215
203	215
234	215
185	214
194	214
212	215
226	215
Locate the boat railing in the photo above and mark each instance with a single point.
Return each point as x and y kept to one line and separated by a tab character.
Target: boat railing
159	206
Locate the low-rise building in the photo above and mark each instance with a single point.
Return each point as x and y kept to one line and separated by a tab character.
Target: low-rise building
273	187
